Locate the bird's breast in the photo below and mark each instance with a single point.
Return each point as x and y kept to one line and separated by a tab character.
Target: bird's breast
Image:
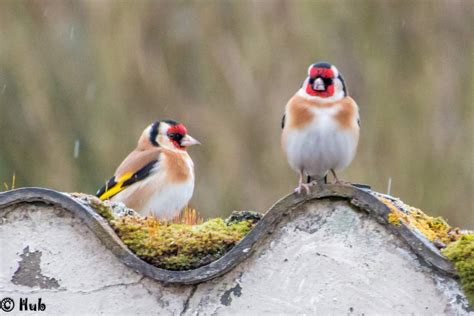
302	113
178	166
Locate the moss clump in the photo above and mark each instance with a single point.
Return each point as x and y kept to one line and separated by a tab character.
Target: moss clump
179	246
461	254
182	244
104	210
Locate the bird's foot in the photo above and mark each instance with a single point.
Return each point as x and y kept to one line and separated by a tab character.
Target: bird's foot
337	181
305	186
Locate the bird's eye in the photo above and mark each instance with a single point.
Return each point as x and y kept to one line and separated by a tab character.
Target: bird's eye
328	81
176	137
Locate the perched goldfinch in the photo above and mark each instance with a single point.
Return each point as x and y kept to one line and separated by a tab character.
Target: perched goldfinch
157	178
320	126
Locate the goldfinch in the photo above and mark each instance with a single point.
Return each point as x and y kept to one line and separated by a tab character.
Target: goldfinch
157	178
320	126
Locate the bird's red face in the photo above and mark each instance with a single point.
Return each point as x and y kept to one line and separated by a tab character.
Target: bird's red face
321	81
178	136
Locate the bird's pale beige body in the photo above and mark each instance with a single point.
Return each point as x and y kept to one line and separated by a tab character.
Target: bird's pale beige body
166	191
320	136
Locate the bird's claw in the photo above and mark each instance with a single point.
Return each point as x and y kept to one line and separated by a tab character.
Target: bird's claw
306	186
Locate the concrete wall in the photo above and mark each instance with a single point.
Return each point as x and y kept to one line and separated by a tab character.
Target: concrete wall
325	257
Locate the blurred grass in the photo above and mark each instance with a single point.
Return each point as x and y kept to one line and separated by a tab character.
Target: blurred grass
98	72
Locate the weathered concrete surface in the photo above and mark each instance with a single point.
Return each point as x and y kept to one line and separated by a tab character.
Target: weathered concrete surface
90	278
325	257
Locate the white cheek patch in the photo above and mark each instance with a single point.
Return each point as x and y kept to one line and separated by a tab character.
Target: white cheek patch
163	128
335	71
338	86
305	83
164	141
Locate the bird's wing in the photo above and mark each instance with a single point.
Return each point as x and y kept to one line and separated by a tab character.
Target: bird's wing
136	167
283	121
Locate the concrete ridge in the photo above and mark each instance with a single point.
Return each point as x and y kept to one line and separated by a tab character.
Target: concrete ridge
362	199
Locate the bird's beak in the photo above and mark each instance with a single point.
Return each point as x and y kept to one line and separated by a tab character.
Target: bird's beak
189	141
318	85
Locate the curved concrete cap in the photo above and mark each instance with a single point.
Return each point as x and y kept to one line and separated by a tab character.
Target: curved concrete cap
331	251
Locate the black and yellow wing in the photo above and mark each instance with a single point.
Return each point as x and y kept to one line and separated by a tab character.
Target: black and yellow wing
114	186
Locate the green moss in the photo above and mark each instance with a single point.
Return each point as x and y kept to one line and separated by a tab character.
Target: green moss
174	246
461	254
179	246
104	210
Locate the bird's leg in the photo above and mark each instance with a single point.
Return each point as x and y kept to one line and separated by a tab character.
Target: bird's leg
334	175
302	185
337	180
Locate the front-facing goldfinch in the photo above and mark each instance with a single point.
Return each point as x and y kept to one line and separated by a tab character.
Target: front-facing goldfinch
157	177
320	126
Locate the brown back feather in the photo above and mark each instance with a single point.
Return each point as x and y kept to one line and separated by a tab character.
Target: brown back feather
136	160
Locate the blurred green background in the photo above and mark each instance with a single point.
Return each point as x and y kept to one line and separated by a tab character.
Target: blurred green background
98	72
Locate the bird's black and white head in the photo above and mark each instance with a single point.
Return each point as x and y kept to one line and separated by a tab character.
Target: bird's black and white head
324	83
167	134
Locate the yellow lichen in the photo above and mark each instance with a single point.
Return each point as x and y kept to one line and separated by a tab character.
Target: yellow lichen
435	229
394	218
